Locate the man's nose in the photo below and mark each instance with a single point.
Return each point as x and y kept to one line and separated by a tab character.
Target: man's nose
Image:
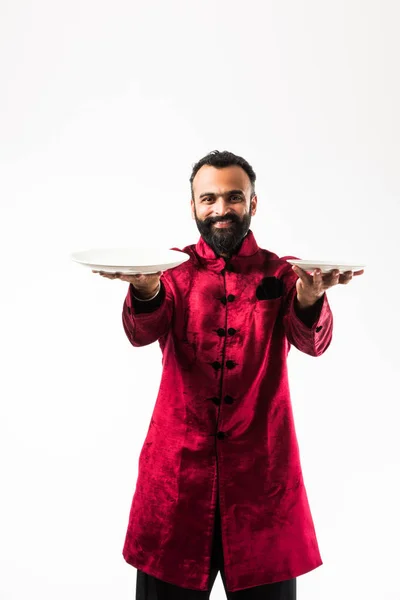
221	207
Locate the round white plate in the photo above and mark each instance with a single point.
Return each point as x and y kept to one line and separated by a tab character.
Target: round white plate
324	265
130	260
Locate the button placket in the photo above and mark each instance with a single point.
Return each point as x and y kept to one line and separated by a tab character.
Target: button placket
222	332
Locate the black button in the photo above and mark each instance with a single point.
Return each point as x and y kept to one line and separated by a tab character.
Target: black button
216	401
221	332
231	331
229	400
318	328
231	298
216	365
220	435
230	364
223	300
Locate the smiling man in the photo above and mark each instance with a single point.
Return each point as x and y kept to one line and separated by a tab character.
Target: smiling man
220	485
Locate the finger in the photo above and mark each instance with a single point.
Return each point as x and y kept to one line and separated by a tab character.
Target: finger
127	278
324	281
320	281
331	278
107	275
346	277
151	275
318	276
358	272
303	275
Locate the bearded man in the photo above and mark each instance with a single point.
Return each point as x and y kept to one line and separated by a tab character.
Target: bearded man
220	485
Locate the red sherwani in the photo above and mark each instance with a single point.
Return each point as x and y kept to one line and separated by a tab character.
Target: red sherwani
222	425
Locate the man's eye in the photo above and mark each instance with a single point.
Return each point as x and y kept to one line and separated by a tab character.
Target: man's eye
236	198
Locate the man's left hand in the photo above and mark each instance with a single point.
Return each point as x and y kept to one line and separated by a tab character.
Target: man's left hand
310	288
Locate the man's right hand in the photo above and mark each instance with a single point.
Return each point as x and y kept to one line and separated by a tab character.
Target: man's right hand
145	285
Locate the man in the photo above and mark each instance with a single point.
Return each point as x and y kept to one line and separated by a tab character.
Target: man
220	483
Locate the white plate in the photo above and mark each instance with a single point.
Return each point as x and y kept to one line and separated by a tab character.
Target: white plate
130	260
325	266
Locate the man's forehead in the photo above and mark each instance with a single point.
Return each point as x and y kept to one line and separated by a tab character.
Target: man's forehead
220	180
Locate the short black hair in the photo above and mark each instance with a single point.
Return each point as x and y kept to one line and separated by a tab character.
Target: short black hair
221	160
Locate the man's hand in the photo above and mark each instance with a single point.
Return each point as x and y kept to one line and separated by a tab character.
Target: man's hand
310	288
145	285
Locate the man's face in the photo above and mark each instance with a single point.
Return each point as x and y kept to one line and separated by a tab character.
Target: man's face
223	207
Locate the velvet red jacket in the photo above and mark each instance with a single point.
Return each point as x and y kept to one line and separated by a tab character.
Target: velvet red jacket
222	424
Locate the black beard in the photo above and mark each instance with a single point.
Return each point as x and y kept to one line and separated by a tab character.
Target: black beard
226	240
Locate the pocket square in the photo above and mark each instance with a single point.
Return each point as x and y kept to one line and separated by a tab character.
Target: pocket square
269	288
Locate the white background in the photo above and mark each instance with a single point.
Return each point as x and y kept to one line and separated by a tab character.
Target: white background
105	106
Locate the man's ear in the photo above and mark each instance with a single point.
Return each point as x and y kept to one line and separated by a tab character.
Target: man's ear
253	205
192	207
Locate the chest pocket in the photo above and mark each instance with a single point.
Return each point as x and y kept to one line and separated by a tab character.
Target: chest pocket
269	296
270	288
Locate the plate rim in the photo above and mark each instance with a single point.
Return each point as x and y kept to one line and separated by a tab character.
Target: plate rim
184	257
323	263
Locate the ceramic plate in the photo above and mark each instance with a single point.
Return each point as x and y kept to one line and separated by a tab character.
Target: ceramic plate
325	266
129	260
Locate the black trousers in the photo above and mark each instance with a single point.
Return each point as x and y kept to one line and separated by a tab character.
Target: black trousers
151	588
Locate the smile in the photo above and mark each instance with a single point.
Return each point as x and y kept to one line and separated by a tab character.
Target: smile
222	224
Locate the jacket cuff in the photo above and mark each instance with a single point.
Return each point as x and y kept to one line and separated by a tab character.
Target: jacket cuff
151	305
309	316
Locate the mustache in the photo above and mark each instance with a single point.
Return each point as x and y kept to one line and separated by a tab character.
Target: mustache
211	220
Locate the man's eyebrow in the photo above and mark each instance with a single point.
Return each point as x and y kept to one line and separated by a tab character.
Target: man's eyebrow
226	193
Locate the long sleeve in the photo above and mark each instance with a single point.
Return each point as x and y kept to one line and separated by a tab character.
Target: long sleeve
145	322
310	330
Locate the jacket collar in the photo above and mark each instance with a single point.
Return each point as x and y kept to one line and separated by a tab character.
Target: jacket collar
249	247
